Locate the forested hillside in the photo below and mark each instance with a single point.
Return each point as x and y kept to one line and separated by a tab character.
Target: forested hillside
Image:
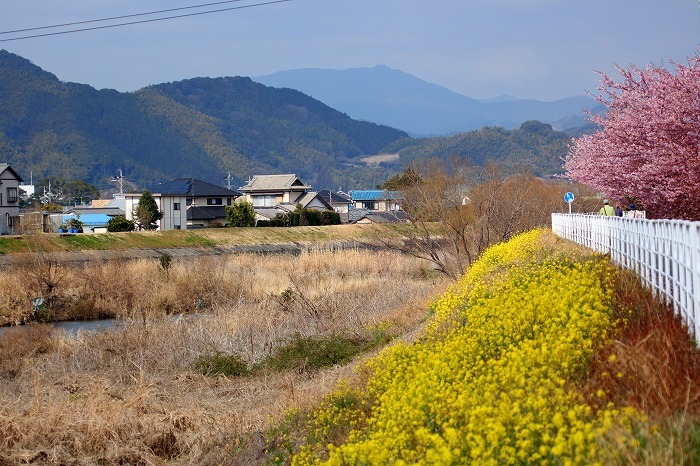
207	127
533	148
200	127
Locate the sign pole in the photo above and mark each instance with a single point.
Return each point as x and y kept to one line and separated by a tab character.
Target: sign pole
569	198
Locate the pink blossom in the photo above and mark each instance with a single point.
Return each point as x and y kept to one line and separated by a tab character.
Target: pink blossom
648	148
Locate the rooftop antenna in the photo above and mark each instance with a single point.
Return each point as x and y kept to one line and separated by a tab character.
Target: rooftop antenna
119	179
193	203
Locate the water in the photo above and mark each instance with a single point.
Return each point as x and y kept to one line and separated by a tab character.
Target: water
71	328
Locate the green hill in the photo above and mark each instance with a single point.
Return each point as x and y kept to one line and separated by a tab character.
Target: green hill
534	148
207	127
199	127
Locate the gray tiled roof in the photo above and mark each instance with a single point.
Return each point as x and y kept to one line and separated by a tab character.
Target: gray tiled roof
306	199
5	166
274	183
270	212
394	216
206	212
334	197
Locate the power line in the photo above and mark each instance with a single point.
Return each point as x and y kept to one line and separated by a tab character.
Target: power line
118	17
138	22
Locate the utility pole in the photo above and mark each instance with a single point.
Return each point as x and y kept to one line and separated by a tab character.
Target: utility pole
119	179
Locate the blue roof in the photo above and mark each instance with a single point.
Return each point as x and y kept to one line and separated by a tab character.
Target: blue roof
90	220
374	195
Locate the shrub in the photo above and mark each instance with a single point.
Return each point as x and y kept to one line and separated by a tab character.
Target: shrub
240	214
311	353
230	365
120	223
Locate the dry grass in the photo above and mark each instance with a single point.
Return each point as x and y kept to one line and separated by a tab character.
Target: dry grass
184	238
131	396
652	365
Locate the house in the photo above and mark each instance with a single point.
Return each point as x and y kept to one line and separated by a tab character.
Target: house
9	200
186	203
376	199
279	194
272	190
339	201
373	216
310	200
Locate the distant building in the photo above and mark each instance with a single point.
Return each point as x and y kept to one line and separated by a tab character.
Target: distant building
339	201
376	199
374	216
272	190
273	195
186	203
9	200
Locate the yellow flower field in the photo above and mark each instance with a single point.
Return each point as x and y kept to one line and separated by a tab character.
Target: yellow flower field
493	379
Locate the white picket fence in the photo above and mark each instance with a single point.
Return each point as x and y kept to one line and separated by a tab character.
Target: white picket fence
664	253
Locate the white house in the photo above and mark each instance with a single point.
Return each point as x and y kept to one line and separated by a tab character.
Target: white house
272	195
9	200
186	203
272	190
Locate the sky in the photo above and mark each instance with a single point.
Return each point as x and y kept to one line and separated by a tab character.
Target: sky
535	49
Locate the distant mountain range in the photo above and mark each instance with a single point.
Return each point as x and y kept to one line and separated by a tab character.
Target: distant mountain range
394	98
209	127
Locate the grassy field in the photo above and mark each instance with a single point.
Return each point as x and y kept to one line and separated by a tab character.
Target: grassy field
266	334
193	238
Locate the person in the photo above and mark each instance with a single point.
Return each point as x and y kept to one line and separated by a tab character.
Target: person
634	213
607	209
618	211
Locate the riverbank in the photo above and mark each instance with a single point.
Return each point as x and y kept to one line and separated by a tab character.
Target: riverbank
162	390
202	238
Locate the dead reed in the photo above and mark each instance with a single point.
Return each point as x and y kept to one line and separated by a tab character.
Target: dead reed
132	396
653	365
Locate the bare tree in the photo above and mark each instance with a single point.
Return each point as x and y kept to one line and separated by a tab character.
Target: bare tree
457	210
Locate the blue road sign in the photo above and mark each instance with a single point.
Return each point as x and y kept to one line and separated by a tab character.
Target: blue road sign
569	197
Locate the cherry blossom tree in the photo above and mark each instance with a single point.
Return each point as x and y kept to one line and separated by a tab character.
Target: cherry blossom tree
648	150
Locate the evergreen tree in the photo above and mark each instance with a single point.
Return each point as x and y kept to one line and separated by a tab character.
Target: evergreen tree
240	214
147	213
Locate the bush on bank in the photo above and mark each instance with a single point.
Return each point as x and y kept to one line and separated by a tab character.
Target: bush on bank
494	378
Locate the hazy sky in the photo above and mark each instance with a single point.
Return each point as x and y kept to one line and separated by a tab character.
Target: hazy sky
539	49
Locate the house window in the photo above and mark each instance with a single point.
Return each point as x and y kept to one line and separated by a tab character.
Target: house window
176	206
214	201
264	201
371	205
176	227
228	201
12	195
